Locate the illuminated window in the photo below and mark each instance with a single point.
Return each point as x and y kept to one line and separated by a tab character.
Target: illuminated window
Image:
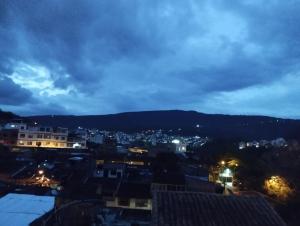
29	142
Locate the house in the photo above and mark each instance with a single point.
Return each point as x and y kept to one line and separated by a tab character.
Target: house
132	196
110	170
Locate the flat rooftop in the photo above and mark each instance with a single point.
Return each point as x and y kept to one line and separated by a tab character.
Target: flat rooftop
23	209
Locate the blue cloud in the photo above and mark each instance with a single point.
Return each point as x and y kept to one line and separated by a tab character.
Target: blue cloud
107	56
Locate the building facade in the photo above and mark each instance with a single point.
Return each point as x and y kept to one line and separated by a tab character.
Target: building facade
23	135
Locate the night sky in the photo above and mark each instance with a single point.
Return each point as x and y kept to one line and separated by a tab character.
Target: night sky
109	56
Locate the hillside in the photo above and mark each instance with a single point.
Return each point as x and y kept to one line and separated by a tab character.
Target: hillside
190	122
7	116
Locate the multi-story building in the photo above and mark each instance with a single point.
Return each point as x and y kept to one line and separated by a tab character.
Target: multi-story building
25	135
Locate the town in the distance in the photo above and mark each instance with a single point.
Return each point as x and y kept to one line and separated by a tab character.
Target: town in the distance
153	176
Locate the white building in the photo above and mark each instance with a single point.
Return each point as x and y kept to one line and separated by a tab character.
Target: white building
180	147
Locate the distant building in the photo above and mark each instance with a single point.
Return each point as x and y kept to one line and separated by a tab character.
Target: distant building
24	135
179	146
96	138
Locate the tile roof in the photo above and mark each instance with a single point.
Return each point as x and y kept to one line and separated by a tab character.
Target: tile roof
193	208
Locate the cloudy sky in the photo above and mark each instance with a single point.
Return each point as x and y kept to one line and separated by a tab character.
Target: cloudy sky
104	56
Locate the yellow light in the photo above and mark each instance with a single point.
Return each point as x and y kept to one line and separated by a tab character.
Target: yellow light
41	172
278	186
223	162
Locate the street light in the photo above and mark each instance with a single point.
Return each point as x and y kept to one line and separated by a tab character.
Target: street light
41	172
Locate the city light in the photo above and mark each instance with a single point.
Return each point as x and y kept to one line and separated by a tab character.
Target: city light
278	186
176	141
41	172
227	173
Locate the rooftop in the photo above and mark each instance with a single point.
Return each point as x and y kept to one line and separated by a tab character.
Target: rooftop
191	209
21	210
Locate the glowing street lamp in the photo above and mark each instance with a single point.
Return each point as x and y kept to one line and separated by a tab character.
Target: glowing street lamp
41	172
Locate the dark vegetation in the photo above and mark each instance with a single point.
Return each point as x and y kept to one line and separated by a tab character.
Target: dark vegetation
183	122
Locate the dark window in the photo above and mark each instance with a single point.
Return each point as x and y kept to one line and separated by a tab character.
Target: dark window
113	172
46	136
63	138
22	135
30	136
141	202
39	136
123	202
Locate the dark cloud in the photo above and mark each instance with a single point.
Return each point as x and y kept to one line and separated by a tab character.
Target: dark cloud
12	94
135	55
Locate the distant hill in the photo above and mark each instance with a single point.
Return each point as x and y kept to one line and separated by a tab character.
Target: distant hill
7	116
184	122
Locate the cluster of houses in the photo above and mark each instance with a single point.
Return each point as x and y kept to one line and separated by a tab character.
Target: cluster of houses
279	142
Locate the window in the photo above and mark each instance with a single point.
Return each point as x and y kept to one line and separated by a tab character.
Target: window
38	144
22	127
30	136
29	142
46	136
113	172
22	135
47	143
21	142
40	136
123	202
62	144
63	138
141	203
56	137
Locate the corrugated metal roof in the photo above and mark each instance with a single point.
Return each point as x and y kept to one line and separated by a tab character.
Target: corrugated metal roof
21	209
192	208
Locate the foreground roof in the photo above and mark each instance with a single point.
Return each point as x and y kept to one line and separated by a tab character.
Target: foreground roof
21	210
191	209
